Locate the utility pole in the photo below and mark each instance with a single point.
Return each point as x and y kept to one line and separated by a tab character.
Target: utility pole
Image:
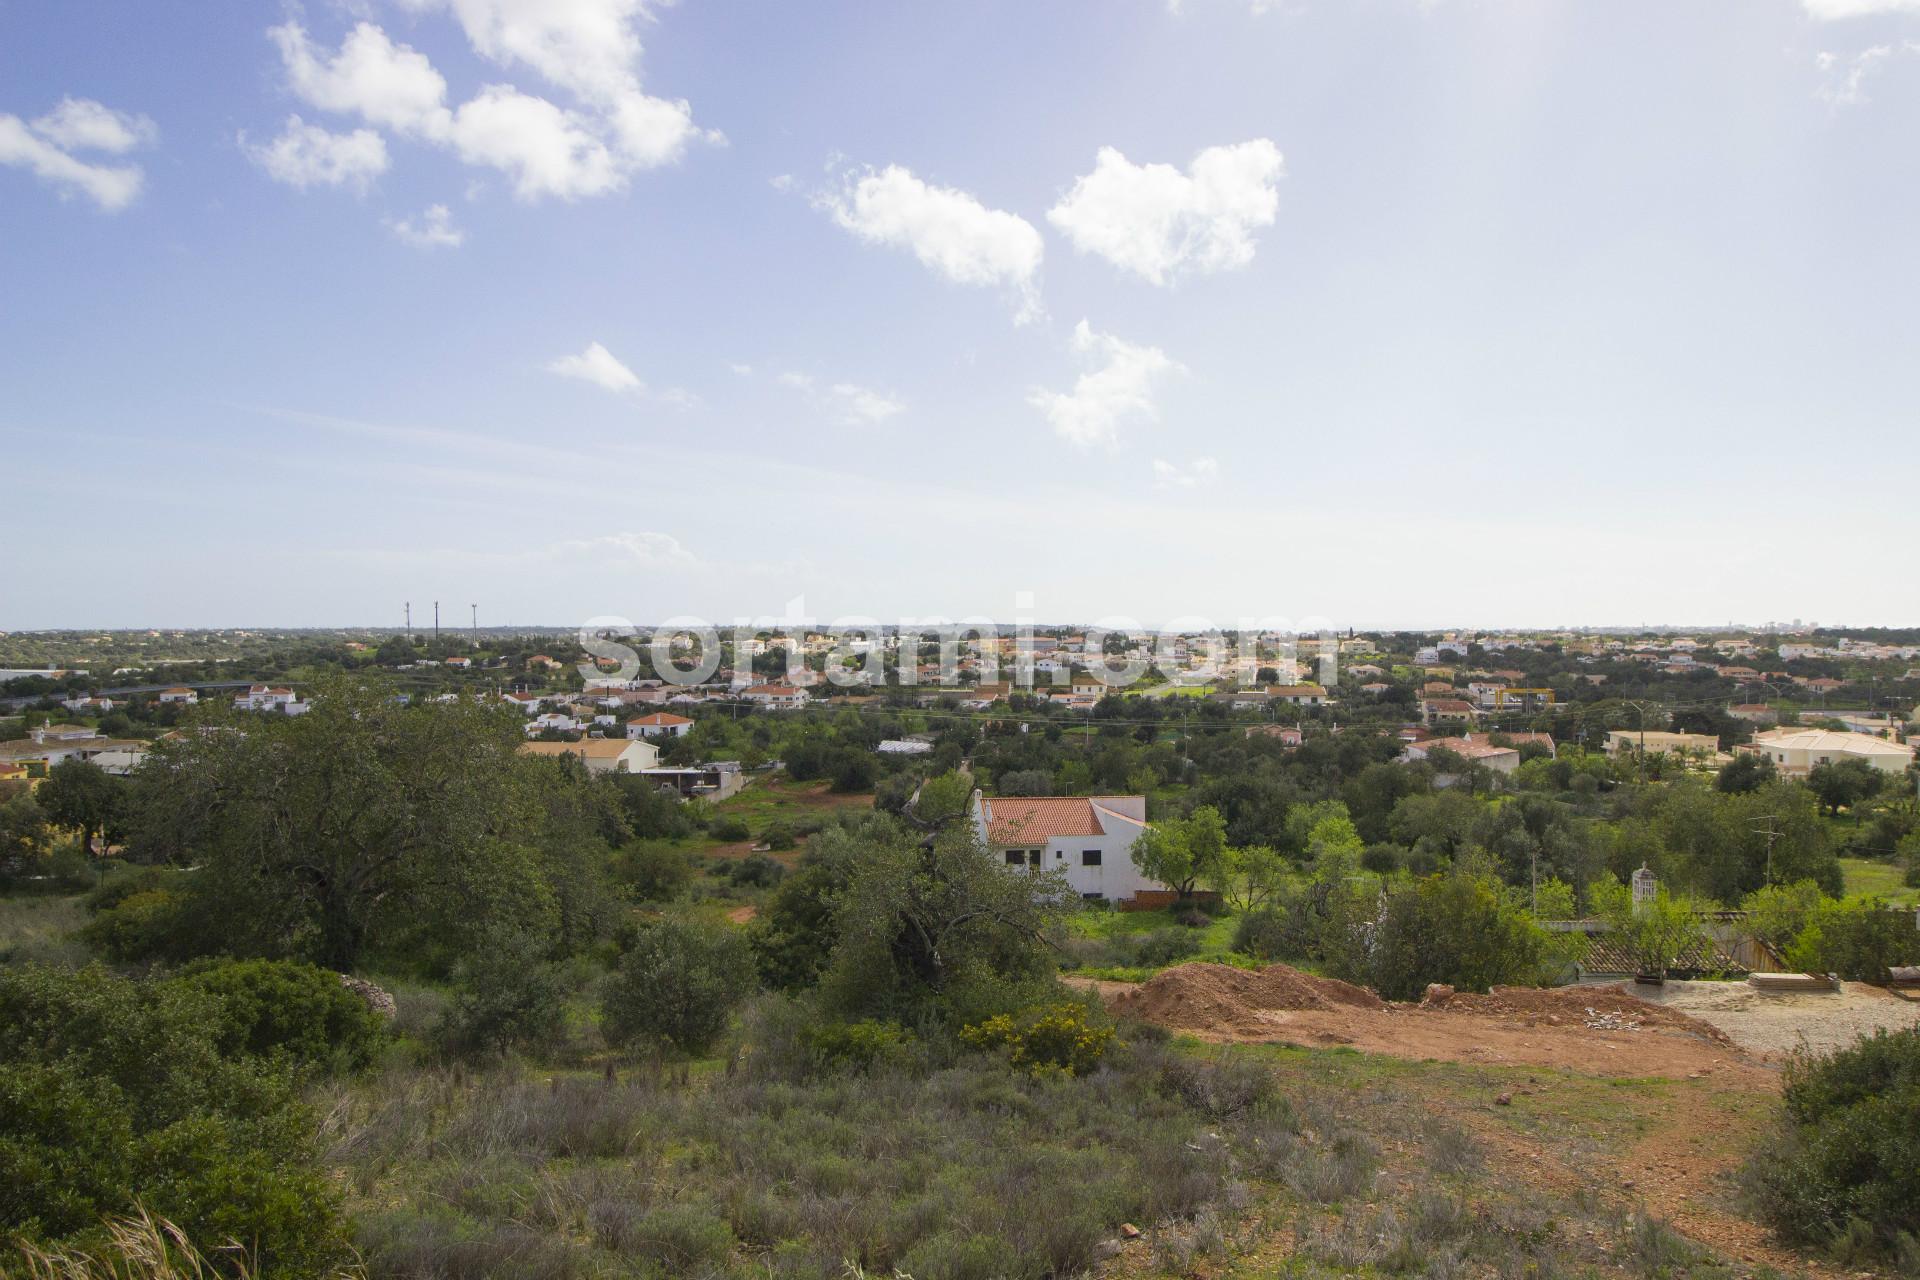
436	622
1772	835
476	622
409	622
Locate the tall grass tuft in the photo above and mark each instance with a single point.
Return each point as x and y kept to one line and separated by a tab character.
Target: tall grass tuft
140	1246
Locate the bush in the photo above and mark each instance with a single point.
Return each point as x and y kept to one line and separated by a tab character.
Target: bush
756	870
286	1007
1267	934
677	987
1848	1167
1457	929
655	872
778	835
111	1088
506	994
859	1046
1858	938
149	924
730	829
1044	1039
1168	946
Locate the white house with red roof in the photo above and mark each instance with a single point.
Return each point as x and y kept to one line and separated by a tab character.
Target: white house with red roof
1090	838
775	697
660	724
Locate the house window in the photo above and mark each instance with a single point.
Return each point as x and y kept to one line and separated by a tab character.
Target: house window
1033	857
1093	897
1016	858
1089	857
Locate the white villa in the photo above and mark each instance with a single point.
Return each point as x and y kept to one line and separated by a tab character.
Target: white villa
1090	838
1797	751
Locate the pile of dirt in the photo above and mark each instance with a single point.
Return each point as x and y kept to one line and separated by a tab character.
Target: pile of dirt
1597	1008
1215	997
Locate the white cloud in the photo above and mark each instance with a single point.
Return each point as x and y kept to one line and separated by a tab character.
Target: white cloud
44	149
1167	475
584	46
952	233
1161	223
81	124
1844	78
653	550
389	85
1833	10
433	229
1118	391
547	150
857	405
848	403
305	155
600	367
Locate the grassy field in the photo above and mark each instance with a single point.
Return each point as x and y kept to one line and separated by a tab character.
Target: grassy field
34	929
1864	875
1131	946
1243	1161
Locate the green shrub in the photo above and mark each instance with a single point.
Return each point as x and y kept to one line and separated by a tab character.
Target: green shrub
1044	1039
1847	1169
677	986
730	829
654	872
859	1046
1857	938
778	835
1453	928
149	924
112	1090
505	995
756	870
1167	946
287	1007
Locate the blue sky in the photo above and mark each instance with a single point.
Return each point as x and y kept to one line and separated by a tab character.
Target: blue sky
1509	312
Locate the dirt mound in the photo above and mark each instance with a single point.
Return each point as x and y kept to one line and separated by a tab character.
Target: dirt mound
1596	1008
1217	997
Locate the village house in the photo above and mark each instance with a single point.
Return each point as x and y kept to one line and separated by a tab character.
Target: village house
659	724
260	697
1796	752
600	755
178	695
775	697
1447	711
1089	838
1467	747
1651	742
1300	695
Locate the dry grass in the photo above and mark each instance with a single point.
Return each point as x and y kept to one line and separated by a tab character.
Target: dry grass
140	1246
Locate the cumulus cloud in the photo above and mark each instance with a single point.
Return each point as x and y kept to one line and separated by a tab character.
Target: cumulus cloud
953	234
600	367
847	403
1834	10
1160	223
306	155
45	149
1120	389
1167	475
433	229
586	47
81	124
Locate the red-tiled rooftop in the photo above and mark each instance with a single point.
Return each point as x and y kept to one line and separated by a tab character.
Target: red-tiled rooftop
1032	819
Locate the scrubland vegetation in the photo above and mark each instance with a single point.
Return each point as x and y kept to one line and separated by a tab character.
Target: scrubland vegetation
623	1047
